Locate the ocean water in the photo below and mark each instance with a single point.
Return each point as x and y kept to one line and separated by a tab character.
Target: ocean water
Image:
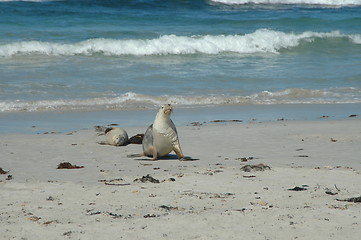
105	55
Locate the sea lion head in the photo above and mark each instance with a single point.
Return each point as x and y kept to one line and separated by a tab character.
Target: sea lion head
165	110
119	140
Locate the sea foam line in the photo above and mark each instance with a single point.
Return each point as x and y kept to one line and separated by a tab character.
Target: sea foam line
134	101
260	41
338	3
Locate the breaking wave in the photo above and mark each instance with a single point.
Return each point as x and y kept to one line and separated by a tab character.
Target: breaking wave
260	41
134	101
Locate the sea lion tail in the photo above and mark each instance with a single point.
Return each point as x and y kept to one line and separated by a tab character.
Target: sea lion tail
102	129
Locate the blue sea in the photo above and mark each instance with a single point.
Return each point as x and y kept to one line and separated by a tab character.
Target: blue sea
134	55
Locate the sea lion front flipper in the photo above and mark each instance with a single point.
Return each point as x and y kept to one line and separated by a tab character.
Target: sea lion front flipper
178	151
154	151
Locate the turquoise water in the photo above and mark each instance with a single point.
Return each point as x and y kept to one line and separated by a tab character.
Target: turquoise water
127	55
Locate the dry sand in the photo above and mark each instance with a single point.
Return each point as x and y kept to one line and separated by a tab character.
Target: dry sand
211	198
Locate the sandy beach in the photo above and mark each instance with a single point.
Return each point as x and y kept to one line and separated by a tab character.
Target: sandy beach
267	105
305	169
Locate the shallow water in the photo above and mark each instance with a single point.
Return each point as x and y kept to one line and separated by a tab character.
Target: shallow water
63	122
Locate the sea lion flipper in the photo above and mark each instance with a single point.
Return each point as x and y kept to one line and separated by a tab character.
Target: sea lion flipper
187	158
178	151
154	151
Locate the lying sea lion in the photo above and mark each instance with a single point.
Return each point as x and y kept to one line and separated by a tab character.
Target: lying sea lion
114	136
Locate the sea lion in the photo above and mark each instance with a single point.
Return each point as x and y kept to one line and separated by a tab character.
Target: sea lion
114	136
161	137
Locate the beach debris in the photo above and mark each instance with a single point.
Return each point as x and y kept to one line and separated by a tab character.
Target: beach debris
196	124
352	199
202	195
262	203
91	212
168	208
333	140
68	165
303	156
219	121
50	198
259	203
9	177
353	115
297	189
2	171
331	192
148	215
257	167
114	215
245	159
115	182
34	218
146	178
249	176
50	133
345	207
136	139
68	234
50	222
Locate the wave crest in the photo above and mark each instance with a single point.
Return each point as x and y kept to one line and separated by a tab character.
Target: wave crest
260	41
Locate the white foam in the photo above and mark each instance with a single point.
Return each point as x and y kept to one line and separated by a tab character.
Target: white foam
260	41
131	101
303	2
356	38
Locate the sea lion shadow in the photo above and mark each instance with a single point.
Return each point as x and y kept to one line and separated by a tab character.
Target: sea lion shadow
169	157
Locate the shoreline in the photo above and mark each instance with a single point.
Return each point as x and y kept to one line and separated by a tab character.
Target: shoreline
54	121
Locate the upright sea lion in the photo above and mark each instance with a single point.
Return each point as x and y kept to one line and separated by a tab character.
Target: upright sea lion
161	137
